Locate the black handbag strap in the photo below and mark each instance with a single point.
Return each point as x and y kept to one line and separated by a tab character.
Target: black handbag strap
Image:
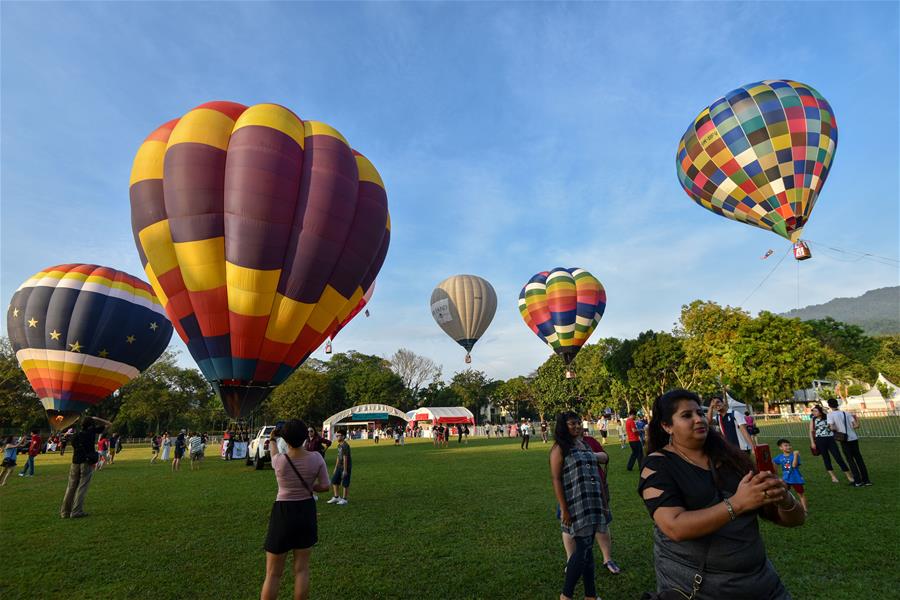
698	576
303	481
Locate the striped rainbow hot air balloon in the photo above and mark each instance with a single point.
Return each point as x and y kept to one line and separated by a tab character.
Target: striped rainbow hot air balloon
80	332
260	232
563	307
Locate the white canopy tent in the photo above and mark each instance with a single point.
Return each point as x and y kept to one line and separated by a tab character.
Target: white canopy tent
444	414
362	415
737	405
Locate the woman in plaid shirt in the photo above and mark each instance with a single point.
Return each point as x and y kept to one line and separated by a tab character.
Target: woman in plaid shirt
576	482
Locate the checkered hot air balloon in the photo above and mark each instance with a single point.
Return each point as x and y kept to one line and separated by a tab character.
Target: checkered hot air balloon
563	307
260	233
80	332
760	155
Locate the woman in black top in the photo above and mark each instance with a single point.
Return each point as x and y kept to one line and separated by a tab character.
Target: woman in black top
704	498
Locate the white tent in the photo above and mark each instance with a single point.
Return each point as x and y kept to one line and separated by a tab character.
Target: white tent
362	414
737	405
870	400
895	391
445	414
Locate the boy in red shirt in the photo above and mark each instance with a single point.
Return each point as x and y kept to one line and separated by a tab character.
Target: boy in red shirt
34	448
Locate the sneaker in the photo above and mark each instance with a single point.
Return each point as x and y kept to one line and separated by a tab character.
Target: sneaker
858	484
21	474
341	501
867	484
334	500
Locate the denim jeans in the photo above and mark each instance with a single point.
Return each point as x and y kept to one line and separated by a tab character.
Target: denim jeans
28	469
581	566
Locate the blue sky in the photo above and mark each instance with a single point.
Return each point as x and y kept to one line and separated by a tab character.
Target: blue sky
512	138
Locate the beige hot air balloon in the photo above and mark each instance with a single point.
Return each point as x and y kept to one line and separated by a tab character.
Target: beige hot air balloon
463	306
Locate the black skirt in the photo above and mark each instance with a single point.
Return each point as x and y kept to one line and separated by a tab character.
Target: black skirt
292	525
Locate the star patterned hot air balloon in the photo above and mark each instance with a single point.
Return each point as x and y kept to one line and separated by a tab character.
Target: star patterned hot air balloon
563	307
260	232
760	155
80	332
464	306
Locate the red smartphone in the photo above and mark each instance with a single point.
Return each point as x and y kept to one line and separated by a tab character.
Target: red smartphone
763	458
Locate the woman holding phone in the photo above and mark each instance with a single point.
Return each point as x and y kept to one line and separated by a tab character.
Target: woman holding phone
292	523
705	501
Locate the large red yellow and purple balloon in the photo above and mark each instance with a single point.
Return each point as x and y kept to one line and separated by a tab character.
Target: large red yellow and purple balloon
260	233
80	332
760	155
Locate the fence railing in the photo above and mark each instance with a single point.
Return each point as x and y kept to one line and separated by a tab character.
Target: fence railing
872	424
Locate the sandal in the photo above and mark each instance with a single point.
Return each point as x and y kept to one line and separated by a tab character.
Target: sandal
613	567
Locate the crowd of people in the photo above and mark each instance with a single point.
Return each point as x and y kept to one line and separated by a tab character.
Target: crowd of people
702	484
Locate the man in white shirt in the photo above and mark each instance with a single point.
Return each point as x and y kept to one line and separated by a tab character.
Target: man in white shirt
525	430
844	425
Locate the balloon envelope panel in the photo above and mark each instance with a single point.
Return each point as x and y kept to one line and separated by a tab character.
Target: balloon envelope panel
260	233
464	306
80	332
760	155
562	307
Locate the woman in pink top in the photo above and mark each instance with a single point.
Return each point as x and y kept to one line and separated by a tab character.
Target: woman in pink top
292	524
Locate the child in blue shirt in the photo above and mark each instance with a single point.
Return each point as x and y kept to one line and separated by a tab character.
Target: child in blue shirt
789	459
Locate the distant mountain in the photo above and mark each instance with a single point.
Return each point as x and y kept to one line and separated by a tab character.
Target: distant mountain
876	311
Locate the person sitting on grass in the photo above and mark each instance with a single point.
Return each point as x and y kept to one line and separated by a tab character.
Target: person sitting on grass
293	524
341	476
789	459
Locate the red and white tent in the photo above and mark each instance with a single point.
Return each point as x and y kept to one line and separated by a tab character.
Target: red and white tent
445	415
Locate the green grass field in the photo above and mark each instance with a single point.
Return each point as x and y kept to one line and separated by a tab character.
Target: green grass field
466	522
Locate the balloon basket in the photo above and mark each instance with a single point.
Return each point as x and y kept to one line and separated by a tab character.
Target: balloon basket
570	374
802	251
61	419
468	359
328	348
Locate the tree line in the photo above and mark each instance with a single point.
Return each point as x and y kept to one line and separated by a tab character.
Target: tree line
758	359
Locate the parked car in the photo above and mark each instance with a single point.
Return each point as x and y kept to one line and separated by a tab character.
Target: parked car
258	449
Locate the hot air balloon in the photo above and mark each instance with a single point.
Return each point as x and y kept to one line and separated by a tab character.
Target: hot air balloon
259	232
359	307
464	306
760	155
80	332
562	307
